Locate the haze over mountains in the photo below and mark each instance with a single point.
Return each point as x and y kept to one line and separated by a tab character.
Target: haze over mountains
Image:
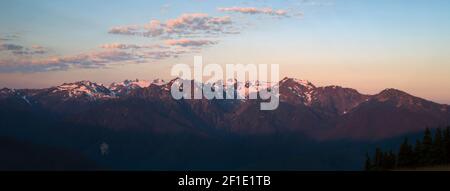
323	113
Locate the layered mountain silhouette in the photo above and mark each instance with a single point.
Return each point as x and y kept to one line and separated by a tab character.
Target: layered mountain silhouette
322	113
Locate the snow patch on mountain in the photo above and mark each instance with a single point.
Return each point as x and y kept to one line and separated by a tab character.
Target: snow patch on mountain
305	83
298	89
83	88
130	84
26	100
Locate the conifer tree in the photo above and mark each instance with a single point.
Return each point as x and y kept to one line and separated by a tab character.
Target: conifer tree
427	143
446	145
426	152
378	162
385	161
405	154
437	149
368	165
390	161
418	154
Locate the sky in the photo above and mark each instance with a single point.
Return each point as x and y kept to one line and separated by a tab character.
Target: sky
367	45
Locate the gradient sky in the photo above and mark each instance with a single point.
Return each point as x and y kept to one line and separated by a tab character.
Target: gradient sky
367	45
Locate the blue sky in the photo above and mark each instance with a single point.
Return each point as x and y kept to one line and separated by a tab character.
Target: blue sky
368	45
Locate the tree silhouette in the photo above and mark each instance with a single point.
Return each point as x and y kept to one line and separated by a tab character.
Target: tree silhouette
405	154
446	145
368	165
418	153
378	162
437	149
431	150
427	143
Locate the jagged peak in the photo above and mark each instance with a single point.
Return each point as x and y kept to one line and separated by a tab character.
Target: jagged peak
81	88
86	83
137	83
392	92
128	82
302	82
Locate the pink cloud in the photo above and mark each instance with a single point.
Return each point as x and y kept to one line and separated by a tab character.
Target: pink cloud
154	28
96	59
128	30
84	60
186	24
37	47
132	46
189	42
196	22
163	54
119	46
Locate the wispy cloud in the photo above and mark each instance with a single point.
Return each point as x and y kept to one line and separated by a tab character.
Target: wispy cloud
10	47
120	46
132	46
189	42
115	53
84	60
174	37
163	54
16	49
186	24
254	11
126	30
29	52
9	37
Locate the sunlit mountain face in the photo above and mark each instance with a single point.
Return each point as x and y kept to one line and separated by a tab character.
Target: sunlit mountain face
360	75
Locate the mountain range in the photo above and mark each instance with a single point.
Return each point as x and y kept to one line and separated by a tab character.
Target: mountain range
324	113
76	115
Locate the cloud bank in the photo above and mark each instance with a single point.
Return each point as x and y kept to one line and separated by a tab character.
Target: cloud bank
188	33
186	24
85	60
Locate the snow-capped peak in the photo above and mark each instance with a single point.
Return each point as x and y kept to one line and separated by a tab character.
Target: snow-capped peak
302	90
81	84
296	81
130	83
140	83
133	84
124	87
83	88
